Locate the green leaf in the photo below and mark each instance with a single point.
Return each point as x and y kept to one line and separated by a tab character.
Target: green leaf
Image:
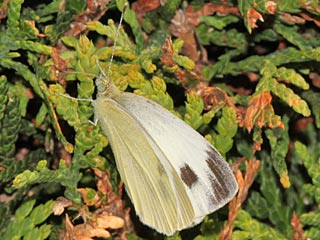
313	99
291	6
14	14
227	128
194	108
268	82
311	221
253	229
42	212
24	210
131	19
9	127
219	22
169	9
36	47
66	107
76	6
20	91
260	205
279	142
291	34
292	99
272	198
184	61
290	75
255	63
40	233
311	218
43	112
24	225
310	159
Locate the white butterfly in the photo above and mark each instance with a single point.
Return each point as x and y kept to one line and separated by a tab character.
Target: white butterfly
173	176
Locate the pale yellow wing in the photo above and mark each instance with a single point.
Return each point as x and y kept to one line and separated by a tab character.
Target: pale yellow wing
207	177
155	188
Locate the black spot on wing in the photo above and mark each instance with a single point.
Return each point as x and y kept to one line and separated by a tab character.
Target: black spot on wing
188	176
219	177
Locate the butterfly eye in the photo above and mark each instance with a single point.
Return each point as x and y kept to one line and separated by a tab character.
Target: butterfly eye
100	86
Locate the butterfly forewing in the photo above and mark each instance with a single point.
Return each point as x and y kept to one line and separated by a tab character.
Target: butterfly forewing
207	178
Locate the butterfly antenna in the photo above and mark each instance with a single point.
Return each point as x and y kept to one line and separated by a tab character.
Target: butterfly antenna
115	39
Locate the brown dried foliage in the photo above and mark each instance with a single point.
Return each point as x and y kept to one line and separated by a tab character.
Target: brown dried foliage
292	19
271	6
298	233
307	17
142	7
93	228
168	62
58	68
253	16
111	213
244	182
4	9
214	97
315	78
95	10
260	112
183	26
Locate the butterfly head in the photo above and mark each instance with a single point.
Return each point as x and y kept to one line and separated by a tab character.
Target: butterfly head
106	87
